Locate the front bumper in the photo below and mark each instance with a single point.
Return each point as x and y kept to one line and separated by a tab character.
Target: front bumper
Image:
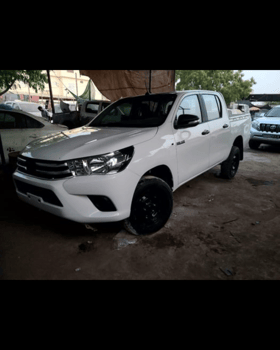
73	195
265	137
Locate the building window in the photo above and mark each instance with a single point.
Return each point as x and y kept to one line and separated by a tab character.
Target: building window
70	71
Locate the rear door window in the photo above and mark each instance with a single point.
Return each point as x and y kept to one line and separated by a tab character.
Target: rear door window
9	121
213	107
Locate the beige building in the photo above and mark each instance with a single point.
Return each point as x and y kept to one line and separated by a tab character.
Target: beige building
61	81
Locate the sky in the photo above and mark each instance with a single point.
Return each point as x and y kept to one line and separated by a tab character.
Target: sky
268	81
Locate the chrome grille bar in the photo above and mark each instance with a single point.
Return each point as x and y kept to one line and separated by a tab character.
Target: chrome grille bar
51	170
266	127
54	172
50	165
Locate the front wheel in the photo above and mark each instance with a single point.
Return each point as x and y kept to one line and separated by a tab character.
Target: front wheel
151	206
230	166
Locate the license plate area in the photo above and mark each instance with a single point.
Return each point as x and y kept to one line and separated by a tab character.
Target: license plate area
38	193
272	136
34	198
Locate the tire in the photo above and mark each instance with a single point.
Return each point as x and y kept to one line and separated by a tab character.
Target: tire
254	144
69	125
151	206
230	166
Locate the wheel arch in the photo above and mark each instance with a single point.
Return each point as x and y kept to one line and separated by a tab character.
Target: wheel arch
163	172
238	142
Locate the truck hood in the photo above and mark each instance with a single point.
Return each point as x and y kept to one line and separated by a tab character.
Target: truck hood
86	142
268	120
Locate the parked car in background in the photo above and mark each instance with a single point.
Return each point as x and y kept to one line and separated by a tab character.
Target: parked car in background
29	107
18	128
90	109
66	115
260	114
266	129
5	106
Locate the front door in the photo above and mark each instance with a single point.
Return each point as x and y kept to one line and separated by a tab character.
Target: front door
192	143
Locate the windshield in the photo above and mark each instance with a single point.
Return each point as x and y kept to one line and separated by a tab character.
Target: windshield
140	111
29	107
274	112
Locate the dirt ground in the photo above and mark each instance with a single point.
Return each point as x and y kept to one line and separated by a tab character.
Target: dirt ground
219	230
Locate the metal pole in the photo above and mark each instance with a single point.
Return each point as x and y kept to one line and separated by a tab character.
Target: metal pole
76	91
50	87
150	82
2	152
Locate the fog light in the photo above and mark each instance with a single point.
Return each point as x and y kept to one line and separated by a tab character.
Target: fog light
102	203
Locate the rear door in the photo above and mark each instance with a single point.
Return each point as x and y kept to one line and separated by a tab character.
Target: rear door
219	129
12	137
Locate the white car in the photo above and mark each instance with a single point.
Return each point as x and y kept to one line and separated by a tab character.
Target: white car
18	128
28	107
125	164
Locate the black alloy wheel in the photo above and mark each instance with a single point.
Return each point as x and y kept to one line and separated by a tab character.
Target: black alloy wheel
234	165
230	166
151	206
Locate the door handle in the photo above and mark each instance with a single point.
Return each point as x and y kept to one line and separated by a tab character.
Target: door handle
225	126
205	132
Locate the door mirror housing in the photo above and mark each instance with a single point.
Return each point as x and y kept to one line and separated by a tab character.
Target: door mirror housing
186	121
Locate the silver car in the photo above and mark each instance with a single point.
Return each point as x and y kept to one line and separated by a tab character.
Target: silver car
266	129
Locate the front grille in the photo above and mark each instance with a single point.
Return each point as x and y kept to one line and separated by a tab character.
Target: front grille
43	168
267	127
48	196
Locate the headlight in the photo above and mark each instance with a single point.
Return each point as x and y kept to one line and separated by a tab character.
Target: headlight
109	163
256	125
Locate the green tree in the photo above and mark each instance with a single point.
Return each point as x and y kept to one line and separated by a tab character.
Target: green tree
228	82
35	78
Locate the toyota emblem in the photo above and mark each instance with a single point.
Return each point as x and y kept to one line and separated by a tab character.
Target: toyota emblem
272	127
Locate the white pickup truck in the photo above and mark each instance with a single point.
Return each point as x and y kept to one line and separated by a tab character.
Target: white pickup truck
126	163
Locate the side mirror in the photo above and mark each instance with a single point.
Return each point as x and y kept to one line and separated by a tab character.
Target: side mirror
186	121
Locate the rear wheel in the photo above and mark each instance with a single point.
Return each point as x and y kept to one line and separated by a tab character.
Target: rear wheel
230	166
151	206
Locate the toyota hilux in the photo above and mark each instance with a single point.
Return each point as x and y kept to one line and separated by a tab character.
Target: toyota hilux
127	162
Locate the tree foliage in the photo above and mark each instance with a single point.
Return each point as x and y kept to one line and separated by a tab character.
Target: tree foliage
228	82
35	78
